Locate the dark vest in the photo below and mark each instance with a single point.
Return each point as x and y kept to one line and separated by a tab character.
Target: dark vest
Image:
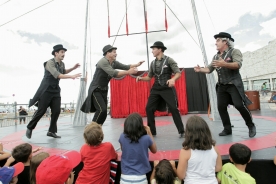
162	76
48	83
226	75
49	78
100	78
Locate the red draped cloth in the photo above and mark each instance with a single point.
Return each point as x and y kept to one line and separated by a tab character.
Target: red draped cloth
128	96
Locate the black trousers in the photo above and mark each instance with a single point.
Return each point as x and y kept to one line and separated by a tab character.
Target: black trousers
226	94
99	98
51	100
22	118
167	94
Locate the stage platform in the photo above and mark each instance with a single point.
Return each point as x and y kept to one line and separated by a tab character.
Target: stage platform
167	139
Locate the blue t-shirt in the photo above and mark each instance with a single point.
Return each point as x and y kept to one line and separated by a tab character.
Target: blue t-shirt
135	156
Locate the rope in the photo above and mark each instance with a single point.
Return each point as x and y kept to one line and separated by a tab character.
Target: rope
4	2
146	17
26	13
126	19
210	16
120	25
180	22
166	23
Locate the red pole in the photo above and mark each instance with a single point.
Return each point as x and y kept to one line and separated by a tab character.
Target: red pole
126	19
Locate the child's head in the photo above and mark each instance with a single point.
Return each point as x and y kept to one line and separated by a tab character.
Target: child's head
133	127
35	161
9	174
164	173
57	168
239	153
93	134
197	134
22	152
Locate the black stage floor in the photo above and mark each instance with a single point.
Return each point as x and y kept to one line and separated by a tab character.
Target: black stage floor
167	140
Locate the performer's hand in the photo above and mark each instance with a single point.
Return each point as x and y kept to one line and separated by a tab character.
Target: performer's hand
76	76
1	146
218	63
197	68
76	66
171	82
132	70
140	63
138	78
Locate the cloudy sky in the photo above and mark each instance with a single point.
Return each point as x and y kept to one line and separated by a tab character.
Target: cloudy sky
27	42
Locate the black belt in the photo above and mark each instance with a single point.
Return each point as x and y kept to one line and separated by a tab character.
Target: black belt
103	88
220	84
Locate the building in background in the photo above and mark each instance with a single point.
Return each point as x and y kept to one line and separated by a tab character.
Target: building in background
260	66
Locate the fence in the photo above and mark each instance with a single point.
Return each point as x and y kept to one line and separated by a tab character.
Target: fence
10	116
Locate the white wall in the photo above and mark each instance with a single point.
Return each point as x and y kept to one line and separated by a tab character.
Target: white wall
260	65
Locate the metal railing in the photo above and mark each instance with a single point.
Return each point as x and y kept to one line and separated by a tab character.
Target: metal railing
10	116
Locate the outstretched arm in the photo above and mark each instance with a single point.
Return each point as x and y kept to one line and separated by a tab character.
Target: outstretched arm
63	76
136	65
50	66
130	71
202	70
139	78
73	68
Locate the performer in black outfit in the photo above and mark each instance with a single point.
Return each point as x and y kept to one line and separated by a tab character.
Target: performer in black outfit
48	93
163	91
96	100
230	90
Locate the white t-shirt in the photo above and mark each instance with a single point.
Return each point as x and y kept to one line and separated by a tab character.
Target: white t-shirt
201	167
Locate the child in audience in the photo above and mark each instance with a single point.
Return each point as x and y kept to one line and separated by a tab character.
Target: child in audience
23	153
58	169
35	162
135	142
8	175
199	158
164	172
235	173
96	157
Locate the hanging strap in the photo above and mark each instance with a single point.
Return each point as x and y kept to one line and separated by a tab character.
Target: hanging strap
166	23
108	19
146	17
126	19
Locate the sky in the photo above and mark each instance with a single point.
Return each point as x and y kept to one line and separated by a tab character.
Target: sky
27	42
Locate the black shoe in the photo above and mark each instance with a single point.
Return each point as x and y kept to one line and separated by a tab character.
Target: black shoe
29	133
225	132
181	135
50	134
252	131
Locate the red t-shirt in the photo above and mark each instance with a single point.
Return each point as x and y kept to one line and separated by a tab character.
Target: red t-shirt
96	160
